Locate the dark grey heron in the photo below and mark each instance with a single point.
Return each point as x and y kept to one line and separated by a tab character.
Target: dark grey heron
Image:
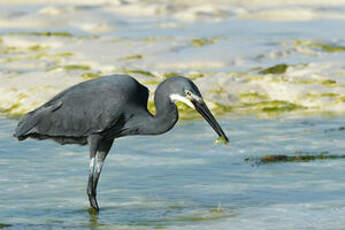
96	112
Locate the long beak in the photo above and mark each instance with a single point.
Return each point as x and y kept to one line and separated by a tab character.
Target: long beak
202	108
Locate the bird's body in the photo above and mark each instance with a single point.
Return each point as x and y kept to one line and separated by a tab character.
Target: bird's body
98	111
99	106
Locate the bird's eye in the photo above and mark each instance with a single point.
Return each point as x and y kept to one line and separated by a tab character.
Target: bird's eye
189	93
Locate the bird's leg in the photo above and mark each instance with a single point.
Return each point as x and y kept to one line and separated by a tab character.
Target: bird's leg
92	196
103	149
93	142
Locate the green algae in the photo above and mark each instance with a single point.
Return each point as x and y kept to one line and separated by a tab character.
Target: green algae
275	106
221	109
64	54
140	72
16	109
317	96
329	95
10	59
39	56
199	42
151	82
329	82
321	46
171	74
69	67
154	39
8	49
89	76
253	96
176	207
191	76
194	76
217	90
340	73
132	57
37	48
45	34
61	34
277	158
13	111
76	67
22	96
184	111
17	50
342	99
324	82
276	69
151	107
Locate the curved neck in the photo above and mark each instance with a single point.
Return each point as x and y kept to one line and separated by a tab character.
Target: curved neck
165	118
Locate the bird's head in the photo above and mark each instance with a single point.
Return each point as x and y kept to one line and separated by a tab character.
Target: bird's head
184	90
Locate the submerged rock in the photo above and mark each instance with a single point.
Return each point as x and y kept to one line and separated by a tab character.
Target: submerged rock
273	158
320	46
277	69
4	225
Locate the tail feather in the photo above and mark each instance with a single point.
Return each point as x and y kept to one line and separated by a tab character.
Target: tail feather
27	124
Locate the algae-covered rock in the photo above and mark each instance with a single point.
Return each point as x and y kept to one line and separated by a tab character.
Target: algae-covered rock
253	96
89	76
273	158
132	57
321	46
277	69
199	42
276	158
64	54
45	33
137	71
170	74
275	106
76	67
22	50
70	67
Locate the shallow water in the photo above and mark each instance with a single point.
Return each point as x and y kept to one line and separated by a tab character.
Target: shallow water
181	180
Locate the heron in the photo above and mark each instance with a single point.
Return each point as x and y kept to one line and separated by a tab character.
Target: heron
97	111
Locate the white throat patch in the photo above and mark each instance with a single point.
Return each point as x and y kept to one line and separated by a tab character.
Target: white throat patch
177	97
